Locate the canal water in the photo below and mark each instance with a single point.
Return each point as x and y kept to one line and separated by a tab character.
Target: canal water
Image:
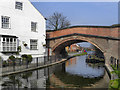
74	73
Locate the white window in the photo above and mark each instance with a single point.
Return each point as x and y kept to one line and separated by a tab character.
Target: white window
33	26
33	44
5	22
19	5
9	44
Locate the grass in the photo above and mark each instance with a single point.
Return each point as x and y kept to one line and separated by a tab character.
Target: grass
84	53
113	84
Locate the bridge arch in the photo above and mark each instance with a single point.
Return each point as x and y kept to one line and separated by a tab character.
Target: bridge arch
79	40
105	38
66	41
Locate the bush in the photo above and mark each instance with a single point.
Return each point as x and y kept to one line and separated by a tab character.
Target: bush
24	56
12	57
11	60
27	57
4	64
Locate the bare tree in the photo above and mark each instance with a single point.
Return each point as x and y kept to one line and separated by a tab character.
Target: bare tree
57	21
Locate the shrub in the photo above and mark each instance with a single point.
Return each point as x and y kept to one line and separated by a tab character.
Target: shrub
4	64
11	60
27	57
24	56
12	57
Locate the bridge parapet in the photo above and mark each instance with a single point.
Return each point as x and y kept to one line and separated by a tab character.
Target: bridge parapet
91	30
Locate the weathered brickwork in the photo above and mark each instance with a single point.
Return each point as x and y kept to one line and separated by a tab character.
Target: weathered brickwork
110	32
109	47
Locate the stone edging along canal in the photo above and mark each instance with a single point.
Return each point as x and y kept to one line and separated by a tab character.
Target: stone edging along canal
35	68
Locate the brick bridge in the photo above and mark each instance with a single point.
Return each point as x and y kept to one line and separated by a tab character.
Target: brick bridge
106	38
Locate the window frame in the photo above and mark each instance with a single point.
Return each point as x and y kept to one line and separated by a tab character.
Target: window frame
5	24
33	26
33	46
18	6
8	44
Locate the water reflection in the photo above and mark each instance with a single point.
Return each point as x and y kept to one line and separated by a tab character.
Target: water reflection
74	73
33	79
81	68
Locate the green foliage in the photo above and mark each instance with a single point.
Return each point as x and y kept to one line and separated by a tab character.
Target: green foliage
116	82
12	57
27	57
85	53
24	56
19	48
116	71
4	63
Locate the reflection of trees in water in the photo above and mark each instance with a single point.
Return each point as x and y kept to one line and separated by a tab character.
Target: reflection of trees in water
77	81
13	82
16	81
96	65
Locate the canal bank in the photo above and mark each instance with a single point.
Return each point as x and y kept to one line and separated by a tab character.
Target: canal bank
39	67
68	72
31	69
89	76
57	83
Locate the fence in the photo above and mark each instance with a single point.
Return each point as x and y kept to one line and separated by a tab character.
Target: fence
115	62
19	64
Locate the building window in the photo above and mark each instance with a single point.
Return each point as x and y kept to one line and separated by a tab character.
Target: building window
9	44
5	22
33	26
19	5
33	44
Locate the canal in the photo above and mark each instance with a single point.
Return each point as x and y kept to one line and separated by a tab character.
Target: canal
74	73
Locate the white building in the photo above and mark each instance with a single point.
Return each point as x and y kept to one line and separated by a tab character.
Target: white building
21	25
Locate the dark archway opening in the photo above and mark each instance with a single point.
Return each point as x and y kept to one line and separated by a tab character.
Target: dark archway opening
61	49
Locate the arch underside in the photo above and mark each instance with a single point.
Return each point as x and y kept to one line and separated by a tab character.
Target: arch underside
71	40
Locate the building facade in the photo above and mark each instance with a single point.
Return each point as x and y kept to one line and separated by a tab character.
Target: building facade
73	48
22	29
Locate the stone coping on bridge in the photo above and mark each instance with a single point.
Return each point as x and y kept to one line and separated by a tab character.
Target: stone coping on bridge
87	26
85	35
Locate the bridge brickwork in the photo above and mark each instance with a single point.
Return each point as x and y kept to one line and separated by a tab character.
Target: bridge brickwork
98	31
105	38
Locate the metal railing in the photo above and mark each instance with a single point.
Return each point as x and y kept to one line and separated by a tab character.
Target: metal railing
19	64
115	62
